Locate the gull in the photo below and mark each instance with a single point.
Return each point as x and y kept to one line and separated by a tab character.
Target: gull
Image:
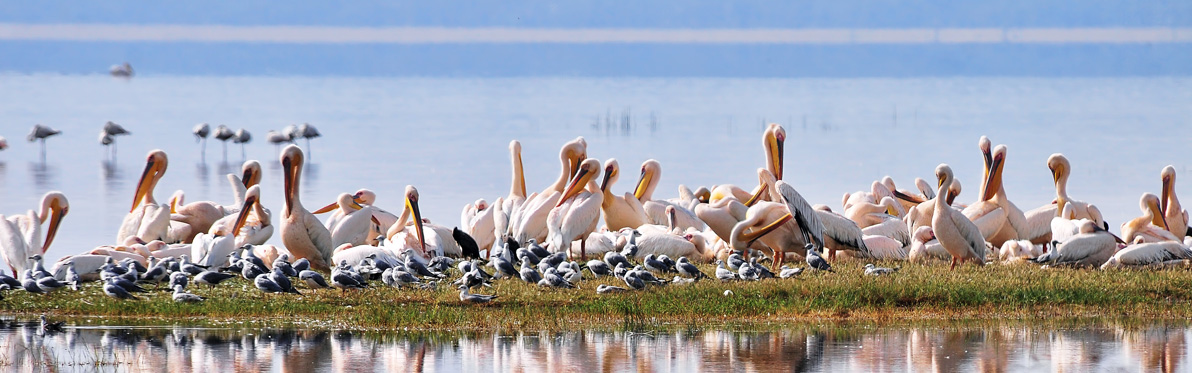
525	255
115	291
212	278
871	270
466	297
9	280
612	258
724	274
653	264
762	271
126	284
504	267
735	261
178	278
609	289
552	278
343	280
553	260
405	278
249	270
301	265
29	283
747	272
265	283
282	262
181	296
621	270
633	281
72	276
528	274
314	280
788	272
283	281
686	268
815	260
537	249
599	268
49	284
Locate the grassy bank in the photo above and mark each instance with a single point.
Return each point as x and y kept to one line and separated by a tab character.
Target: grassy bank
914	293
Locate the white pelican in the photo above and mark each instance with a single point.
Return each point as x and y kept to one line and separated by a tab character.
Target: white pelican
20	235
884	248
722	215
530	220
250	174
996	217
257	227
578	210
477	220
355	226
866	214
1173	213
399	237
691	245
925	248
1061	169
355	254
920	214
212	250
623	211
877	192
382	220
301	233
147	219
656	209
773	139
958	235
504	208
1145	254
783	227
1091	248
193	218
838	233
1150	226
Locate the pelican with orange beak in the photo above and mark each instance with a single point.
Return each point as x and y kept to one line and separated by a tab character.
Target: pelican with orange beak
399	237
20	235
1173	213
578	210
773	140
301	233
530	220
651	173
212	250
257	227
355	226
147	219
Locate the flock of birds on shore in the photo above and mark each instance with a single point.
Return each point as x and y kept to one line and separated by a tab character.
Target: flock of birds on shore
545	237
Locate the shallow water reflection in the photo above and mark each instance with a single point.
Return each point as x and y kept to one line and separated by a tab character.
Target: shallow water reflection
812	348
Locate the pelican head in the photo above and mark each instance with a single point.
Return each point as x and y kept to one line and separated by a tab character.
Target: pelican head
585	173
1168	176
291	162
612	171
365	197
943	176
651	172
1059	166
1151	206
155	167
250	173
574	151
412	207
773	139
55	205
252	197
515	150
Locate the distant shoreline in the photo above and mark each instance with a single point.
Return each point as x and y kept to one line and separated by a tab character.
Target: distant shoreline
507	35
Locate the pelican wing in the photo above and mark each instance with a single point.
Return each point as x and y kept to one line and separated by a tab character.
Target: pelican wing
989	221
970	232
803	213
353	228
13	246
1038	221
1087	249
843	231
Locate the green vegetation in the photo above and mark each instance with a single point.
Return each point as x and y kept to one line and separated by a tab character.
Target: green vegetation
914	293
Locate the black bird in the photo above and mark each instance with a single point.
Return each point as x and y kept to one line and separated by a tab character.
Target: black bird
466	243
48	326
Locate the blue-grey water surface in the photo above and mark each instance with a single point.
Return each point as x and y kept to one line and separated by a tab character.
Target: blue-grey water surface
449	136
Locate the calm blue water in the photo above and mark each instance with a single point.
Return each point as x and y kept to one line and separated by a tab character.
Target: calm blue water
830	348
449	137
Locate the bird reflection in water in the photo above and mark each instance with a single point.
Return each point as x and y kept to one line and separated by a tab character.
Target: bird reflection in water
44	175
801	348
113	178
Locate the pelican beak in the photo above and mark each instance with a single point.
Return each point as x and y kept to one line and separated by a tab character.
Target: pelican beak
750	237
288	168
757	195
908	197
174	205
774	143
608	175
994	174
328	208
143	185
374	219
412	204
243	216
247	178
521	184
1159	216
890	210
642	183
56	215
577	184
1165	194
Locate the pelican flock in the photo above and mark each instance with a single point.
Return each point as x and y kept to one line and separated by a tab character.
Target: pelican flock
542	237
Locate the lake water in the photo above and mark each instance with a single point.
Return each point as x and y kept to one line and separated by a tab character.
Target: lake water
833	348
449	136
